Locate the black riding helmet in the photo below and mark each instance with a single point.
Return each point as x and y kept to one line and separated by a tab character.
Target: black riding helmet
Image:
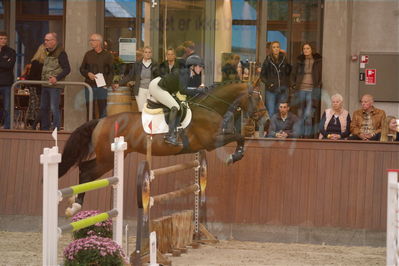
194	60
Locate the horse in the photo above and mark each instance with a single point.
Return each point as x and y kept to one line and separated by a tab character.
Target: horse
88	147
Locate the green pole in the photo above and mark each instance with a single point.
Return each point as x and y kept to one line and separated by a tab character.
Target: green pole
92	220
77	189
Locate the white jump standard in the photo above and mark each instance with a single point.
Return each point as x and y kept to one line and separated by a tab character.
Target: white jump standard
52	196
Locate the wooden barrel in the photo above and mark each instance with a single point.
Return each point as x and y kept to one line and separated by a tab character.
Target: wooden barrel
119	101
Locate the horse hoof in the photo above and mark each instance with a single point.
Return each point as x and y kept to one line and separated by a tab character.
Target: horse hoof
230	160
69	212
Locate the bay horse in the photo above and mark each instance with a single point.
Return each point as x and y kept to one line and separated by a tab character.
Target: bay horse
88	147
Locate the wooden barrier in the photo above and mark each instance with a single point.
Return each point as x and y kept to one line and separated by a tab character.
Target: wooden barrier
52	196
175	232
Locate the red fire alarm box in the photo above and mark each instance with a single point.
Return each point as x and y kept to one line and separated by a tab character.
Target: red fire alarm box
371	77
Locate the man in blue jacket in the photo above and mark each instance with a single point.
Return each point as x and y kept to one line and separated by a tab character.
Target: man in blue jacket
7	61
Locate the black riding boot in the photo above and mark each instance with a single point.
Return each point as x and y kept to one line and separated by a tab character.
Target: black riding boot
171	137
228	123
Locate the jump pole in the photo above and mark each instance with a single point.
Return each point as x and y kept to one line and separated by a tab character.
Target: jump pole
51	197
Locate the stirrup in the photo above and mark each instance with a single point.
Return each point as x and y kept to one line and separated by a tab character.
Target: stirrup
172	140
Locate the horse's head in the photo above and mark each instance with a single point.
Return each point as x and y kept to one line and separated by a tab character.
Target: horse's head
252	103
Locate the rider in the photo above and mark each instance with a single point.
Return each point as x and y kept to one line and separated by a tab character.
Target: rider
187	81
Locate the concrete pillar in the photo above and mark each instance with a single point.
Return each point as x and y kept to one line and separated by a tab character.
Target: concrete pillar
81	21
223	34
336	53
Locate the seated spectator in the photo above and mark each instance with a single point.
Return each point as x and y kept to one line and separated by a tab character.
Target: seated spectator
367	121
170	64
389	130
283	124
335	121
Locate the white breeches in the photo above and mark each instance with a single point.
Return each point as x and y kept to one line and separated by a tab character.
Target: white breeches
162	95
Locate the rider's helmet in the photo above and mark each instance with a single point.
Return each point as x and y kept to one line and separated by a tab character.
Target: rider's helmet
194	60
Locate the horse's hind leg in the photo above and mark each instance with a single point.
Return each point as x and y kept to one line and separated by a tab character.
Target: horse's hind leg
89	171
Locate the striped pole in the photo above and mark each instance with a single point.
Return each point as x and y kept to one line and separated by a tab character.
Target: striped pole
77	189
72	227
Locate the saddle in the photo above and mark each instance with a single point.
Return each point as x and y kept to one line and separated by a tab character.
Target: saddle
155	115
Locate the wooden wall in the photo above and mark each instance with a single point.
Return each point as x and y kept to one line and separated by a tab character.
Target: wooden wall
292	182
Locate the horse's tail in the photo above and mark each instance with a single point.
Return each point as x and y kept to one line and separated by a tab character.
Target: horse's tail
77	148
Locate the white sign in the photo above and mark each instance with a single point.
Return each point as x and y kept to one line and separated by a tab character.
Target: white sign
127	49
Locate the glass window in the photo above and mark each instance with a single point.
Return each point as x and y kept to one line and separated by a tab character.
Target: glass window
2	16
120	8
120	21
40	7
305	10
277	10
280	36
181	21
244	9
244	41
35	18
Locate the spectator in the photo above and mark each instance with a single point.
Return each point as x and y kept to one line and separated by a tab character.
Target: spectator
229	70
55	68
35	73
186	82
389	130
335	122
7	61
367	121
275	75
141	73
180	51
306	77
283	124
97	62
170	64
189	48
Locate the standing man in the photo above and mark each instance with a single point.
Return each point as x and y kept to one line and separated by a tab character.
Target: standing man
97	62
367	121
55	68
7	61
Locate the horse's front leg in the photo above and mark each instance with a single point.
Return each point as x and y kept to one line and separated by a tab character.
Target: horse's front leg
222	140
239	152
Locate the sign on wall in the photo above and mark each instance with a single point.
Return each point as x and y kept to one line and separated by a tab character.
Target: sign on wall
127	49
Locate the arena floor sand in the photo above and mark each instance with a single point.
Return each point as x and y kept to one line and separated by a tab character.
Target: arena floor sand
25	249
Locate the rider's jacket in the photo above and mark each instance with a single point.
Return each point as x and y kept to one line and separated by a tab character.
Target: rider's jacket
181	81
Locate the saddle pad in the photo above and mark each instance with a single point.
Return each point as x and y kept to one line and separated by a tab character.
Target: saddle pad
158	123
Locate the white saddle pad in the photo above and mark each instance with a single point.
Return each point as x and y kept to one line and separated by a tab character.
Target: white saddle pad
154	123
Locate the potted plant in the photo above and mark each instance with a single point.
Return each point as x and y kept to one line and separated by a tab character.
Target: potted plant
94	251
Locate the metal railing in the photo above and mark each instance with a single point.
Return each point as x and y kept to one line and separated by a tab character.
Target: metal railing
41	82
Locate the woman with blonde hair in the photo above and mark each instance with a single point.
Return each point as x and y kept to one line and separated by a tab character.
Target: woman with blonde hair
389	129
335	121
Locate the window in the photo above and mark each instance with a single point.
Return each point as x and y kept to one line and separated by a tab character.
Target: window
244	14
35	18
121	21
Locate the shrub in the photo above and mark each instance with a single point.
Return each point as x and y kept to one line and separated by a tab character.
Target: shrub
103	229
94	251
